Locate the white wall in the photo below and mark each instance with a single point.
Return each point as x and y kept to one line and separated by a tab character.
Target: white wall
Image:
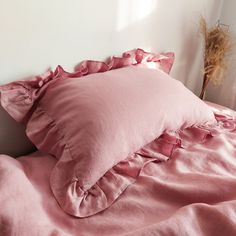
36	34
226	93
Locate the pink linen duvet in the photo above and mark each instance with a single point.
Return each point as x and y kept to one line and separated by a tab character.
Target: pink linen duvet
186	187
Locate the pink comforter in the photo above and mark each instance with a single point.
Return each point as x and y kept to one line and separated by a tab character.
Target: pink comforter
193	193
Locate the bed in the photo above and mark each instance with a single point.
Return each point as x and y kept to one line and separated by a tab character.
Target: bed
178	180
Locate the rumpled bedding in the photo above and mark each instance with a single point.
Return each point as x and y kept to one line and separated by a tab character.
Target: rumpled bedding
187	186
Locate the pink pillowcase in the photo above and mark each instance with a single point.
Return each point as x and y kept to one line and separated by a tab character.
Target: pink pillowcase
90	124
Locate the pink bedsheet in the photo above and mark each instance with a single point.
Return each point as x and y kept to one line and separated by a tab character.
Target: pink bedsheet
193	193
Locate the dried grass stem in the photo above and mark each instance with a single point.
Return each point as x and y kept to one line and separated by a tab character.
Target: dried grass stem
217	44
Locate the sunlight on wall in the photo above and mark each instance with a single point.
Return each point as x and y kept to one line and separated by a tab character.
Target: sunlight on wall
132	11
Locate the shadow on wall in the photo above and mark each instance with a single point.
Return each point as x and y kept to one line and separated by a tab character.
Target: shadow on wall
158	27
225	94
13	140
74	35
191	56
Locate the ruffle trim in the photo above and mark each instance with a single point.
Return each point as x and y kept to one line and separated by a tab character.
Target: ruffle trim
226	123
108	188
74	198
201	134
18	98
78	201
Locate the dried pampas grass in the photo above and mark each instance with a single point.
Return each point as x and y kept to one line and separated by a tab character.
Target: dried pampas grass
217	44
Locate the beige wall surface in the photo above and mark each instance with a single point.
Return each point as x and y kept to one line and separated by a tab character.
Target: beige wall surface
36	35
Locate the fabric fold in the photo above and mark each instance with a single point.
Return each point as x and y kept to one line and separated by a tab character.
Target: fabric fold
82	202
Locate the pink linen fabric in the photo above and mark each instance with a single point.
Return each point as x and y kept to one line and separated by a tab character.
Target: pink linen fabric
193	193
92	124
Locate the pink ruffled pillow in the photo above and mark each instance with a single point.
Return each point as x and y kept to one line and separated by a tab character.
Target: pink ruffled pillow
93	124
